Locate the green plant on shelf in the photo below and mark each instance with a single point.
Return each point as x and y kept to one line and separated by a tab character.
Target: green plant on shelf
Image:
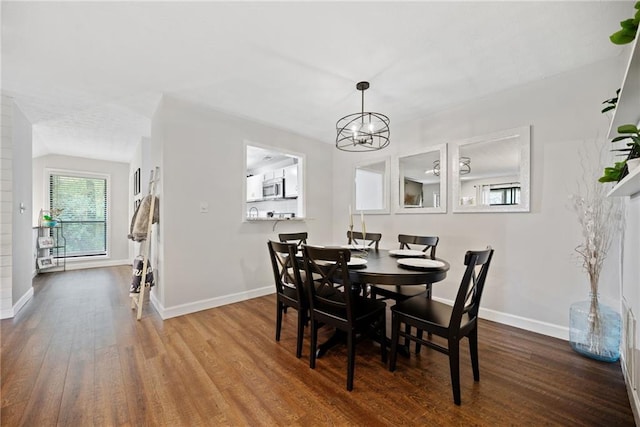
629	28
612	102
631	150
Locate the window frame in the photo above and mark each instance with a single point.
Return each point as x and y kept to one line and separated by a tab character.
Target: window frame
83	174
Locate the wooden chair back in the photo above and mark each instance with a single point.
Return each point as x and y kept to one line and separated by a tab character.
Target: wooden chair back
327	275
298	238
286	273
429	243
470	292
371	239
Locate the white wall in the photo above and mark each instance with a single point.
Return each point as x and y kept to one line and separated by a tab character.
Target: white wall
534	273
23	261
206	259
120	199
6	207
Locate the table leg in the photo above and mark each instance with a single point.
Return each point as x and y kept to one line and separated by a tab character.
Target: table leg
338	337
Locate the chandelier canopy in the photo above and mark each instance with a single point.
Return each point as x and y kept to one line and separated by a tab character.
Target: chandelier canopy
364	131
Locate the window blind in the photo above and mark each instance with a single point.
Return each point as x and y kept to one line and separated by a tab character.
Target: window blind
83	201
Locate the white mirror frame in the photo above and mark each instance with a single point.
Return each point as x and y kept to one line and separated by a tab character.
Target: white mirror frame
398	178
522	137
385	186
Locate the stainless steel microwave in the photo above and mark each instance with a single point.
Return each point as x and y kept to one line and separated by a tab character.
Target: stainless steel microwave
273	188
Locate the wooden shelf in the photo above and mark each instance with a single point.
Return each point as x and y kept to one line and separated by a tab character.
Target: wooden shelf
628	109
628	186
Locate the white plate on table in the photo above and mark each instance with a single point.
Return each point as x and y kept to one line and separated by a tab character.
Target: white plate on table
356	247
406	252
353	262
420	263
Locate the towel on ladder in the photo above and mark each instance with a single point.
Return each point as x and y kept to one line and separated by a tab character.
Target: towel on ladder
140	220
137	274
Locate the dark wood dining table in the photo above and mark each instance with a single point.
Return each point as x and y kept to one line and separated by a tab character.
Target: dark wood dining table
382	268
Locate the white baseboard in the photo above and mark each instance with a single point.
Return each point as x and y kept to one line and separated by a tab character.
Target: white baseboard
532	325
9	313
192	307
23	300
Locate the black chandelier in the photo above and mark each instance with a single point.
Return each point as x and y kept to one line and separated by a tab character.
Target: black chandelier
364	131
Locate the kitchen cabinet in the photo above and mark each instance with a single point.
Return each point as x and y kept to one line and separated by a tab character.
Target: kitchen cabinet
291	181
254	187
272	174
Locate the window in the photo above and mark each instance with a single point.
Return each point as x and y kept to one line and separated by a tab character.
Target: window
83	200
504	196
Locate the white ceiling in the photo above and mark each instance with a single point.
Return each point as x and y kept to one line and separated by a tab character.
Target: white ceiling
89	75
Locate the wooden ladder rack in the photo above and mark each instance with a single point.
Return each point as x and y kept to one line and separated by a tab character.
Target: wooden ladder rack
145	248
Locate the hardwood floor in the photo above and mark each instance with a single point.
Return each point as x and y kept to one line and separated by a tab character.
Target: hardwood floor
76	356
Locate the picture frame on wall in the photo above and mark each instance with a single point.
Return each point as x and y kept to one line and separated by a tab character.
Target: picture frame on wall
136	182
45	262
45	242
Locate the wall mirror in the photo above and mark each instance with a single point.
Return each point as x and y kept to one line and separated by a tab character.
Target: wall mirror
371	187
422	181
491	173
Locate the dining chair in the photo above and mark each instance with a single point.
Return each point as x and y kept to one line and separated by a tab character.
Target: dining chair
450	322
334	302
298	238
370	239
289	287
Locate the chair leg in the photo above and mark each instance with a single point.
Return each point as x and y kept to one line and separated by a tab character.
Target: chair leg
314	343
383	337
418	345
419	334
351	358
454	366
407	331
395	336
279	309
301	322
473	348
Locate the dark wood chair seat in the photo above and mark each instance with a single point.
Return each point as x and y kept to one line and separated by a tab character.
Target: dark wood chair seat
398	293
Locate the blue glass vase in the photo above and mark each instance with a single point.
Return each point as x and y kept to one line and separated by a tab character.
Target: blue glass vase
594	330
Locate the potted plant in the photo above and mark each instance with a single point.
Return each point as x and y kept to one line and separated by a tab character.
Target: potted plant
50	218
